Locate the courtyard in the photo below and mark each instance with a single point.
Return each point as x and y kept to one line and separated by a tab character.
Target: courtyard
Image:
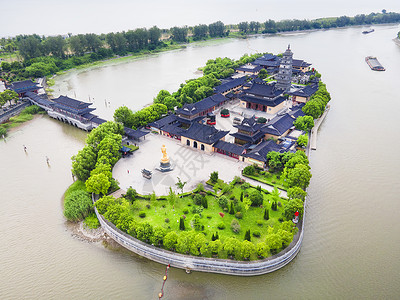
189	164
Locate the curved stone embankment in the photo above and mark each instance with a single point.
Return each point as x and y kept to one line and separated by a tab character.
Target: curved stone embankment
194	263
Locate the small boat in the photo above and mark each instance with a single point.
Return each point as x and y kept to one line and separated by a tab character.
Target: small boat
368	31
374	64
146	173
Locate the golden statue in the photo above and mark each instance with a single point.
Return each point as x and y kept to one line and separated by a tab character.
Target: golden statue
164	158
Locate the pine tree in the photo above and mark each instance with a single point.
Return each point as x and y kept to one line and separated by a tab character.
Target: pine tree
181	224
266	214
247	235
231	210
213	237
241	196
216	236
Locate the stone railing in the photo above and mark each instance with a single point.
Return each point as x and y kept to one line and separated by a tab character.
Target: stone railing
194	263
6	115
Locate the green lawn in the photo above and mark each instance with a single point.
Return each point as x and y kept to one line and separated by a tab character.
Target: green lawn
158	211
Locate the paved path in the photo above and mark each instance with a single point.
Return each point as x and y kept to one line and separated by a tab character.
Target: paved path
264	186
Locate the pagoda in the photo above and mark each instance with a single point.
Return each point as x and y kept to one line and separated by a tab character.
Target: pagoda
284	77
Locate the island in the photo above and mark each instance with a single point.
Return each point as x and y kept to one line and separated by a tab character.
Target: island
241	210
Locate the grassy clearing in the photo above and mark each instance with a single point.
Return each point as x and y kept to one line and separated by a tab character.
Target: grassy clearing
162	213
76	186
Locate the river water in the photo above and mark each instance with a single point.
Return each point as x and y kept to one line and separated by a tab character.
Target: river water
352	233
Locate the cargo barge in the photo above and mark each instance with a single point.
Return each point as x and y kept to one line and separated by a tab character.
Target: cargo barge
368	31
374	64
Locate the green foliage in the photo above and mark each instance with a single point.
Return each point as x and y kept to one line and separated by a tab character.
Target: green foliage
222	201
142	214
261	120
262	249
103	203
131	194
170	240
77	205
274	242
247	249
256	233
91	221
249	170
31	110
296	193
171	197
235	226
299	176
181	224
198	199
302	141
199	188
231	209
291	207
266	214
158	236
214	177
239	215
247	235
262	74
304	123
204	202
221	226
196	224
231	246
98	184
256	197
180	185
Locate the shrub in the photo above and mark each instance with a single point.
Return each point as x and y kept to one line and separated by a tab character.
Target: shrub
77	205
209	217
142	214
231	209
280	220
131	194
247	235
185	211
214	177
279	204
204	202
259	223
181	224
239	215
166	220
249	170
266	214
256	233
235	226
221	226
197	199
261	120
197	210
148	206
222	201
91	221
256	197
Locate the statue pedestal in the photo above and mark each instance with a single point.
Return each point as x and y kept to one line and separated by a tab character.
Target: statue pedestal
165	167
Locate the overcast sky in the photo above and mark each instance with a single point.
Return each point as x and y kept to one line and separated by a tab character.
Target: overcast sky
51	17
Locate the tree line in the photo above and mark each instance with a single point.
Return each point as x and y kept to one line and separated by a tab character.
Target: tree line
43	56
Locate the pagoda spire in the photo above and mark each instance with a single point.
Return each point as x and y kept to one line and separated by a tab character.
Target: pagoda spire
284	77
